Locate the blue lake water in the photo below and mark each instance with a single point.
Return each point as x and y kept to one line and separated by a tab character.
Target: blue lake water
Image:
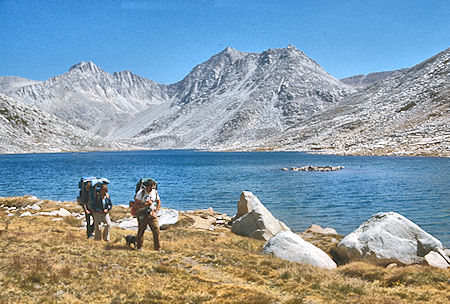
417	187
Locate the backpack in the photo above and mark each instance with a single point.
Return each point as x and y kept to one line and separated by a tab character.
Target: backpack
82	186
139	186
96	184
140	183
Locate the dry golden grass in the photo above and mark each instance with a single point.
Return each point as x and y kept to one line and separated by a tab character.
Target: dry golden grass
52	262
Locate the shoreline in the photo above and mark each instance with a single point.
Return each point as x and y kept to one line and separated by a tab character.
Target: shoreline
311	152
50	260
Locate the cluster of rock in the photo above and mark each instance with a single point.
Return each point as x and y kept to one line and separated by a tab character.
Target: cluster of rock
253	219
384	239
199	219
315	168
208	219
166	217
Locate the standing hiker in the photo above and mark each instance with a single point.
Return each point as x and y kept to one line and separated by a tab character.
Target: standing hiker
101	205
85	204
148	203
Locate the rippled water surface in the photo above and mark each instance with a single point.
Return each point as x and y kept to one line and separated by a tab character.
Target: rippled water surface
417	187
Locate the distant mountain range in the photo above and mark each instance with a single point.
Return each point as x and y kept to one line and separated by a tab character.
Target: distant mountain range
278	99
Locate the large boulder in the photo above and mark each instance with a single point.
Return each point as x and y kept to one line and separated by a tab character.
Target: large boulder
388	237
290	246
165	217
254	220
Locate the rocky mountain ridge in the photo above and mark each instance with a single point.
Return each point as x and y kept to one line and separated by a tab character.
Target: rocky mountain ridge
99	101
278	99
242	99
362	81
406	113
26	129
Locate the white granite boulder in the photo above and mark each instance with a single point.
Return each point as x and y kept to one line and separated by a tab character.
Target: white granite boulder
290	246
253	219
61	212
26	213
435	259
165	217
387	237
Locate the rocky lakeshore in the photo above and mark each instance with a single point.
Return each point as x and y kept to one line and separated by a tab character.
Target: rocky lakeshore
210	257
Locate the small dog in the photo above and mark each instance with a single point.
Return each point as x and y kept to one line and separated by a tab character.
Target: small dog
131	239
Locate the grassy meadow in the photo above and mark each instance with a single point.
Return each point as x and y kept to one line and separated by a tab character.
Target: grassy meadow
45	261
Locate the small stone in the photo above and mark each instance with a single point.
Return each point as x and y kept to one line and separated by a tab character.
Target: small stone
63	212
318	229
35	207
447	251
28	213
392	265
210	211
434	259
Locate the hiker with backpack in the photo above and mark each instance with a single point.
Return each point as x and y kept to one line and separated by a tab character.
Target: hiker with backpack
101	205
86	186
147	204
85	204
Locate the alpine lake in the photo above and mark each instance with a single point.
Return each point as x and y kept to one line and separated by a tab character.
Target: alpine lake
416	187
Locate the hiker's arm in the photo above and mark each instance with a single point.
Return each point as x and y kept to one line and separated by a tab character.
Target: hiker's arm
109	204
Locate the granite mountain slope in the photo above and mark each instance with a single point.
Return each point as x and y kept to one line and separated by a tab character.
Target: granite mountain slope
238	100
9	84
27	129
407	113
362	81
278	99
92	99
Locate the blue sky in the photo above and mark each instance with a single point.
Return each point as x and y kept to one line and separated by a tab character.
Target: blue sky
164	39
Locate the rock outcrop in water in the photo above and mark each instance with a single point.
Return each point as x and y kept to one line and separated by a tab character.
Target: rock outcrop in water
316	168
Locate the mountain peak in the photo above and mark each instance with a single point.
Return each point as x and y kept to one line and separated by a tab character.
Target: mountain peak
85	66
233	53
291	47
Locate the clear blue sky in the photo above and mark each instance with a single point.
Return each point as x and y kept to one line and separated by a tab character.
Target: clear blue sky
164	39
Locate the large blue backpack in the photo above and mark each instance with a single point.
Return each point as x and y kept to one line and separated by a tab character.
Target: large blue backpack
96	184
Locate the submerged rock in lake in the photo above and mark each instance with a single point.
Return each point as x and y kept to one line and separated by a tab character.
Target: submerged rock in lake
253	219
316	168
388	237
290	246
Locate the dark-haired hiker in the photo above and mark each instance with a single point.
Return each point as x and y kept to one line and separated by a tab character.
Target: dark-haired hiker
101	205
149	204
85	204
